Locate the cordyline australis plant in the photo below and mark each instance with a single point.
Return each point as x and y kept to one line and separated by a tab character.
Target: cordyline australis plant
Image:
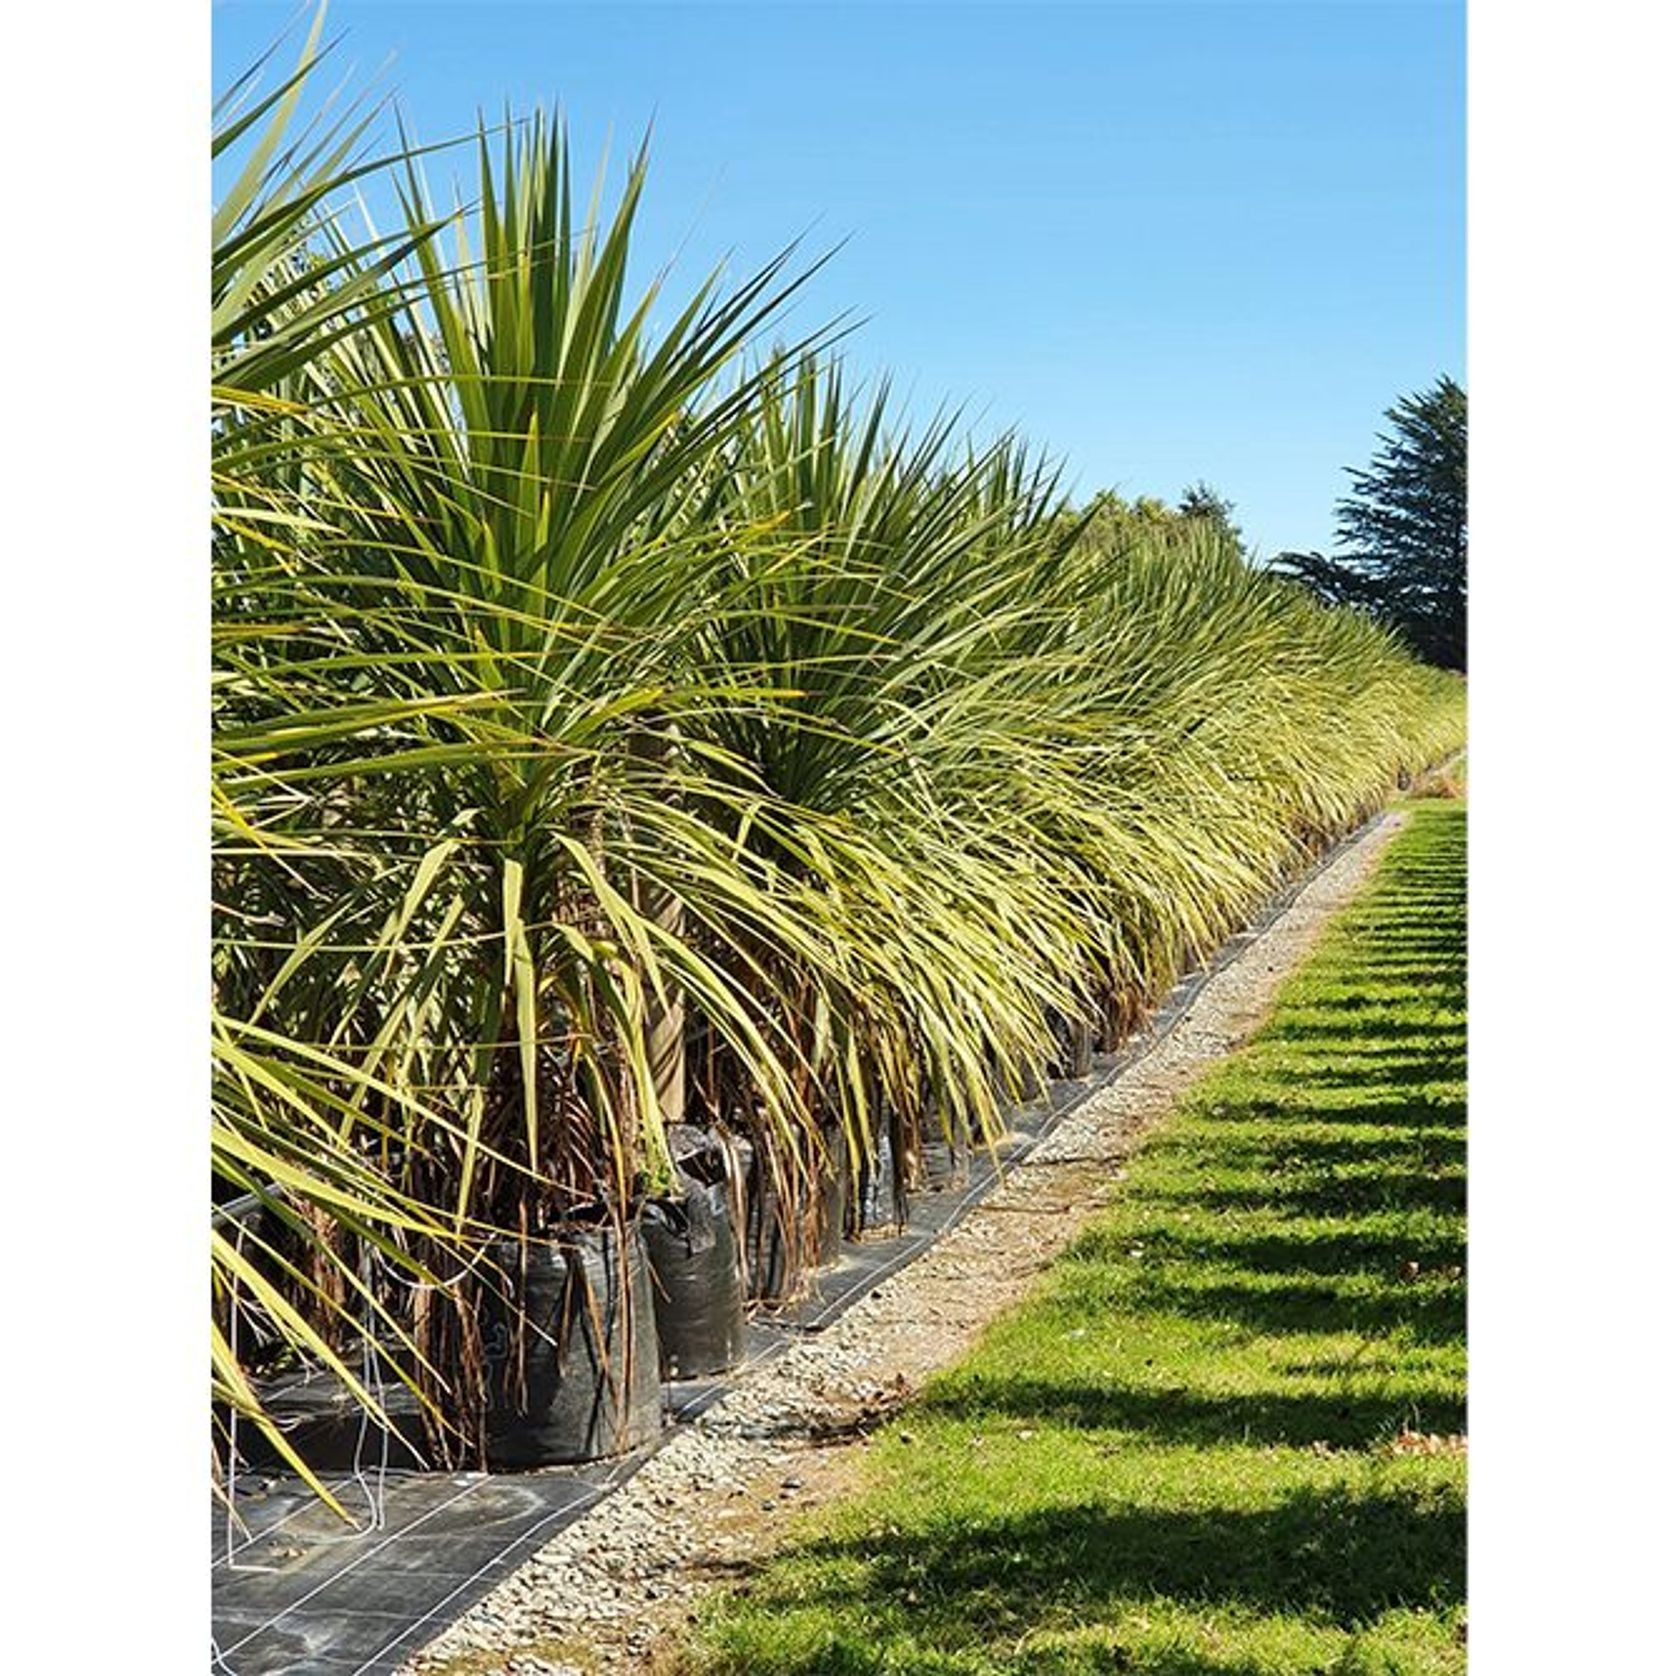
611	730
451	614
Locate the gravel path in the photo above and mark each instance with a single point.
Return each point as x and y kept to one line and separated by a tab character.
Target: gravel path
722	1491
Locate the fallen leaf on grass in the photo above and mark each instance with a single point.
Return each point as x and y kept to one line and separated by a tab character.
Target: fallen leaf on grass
1425	1443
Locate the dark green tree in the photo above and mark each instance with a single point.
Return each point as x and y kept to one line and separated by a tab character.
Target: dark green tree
1402	529
1200	500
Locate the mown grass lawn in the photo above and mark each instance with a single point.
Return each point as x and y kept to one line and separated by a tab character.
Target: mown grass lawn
1202	1445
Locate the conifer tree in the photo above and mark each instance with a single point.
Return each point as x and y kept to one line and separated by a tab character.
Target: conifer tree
1402	529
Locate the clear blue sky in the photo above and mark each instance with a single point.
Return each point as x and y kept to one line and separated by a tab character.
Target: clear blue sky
1164	241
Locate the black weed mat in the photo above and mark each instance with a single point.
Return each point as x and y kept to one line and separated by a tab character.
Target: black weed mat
296	1592
299	1591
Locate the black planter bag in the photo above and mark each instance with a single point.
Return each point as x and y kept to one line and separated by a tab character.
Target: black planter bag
697	1292
834	1204
880	1204
773	1276
1074	1048
574	1375
945	1158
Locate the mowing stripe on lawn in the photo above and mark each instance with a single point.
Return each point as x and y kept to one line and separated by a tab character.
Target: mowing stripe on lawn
1224	1434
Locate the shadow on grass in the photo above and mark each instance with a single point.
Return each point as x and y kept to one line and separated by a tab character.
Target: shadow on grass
1320	1033
1328	1104
1443	1193
1431	1145
1333	1552
1341	1420
1427	1314
1353	1254
1395	1072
